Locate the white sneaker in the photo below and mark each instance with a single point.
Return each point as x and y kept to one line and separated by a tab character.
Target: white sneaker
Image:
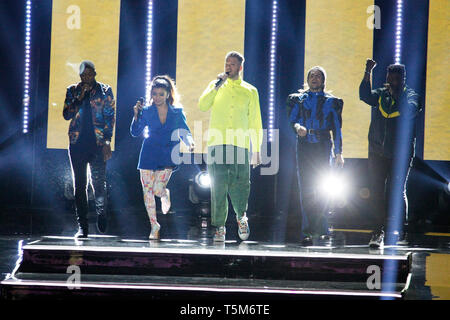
165	202
219	236
377	240
243	228
154	234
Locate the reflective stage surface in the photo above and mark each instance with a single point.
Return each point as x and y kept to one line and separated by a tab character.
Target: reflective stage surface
109	266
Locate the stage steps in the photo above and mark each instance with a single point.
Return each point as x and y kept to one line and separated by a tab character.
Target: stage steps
114	267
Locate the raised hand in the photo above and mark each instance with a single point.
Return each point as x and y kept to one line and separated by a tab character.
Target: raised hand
370	64
137	108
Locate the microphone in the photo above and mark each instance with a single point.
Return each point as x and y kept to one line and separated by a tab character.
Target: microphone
80	89
219	82
141	100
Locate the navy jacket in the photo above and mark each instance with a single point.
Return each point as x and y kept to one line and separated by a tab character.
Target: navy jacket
163	139
392	124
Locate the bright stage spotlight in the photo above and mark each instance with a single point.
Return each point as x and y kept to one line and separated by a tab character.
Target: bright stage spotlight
200	188
203	180
333	186
200	196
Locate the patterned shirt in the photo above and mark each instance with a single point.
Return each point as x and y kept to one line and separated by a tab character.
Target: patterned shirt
103	109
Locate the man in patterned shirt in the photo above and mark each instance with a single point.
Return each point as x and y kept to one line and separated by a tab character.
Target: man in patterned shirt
90	107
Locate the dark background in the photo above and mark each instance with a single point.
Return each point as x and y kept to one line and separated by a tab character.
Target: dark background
35	182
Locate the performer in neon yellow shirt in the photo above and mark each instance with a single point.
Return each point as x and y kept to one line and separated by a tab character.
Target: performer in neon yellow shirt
235	128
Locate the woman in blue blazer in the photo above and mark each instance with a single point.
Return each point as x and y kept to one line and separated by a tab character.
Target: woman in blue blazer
166	124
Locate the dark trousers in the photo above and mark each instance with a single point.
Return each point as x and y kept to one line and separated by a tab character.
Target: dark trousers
313	162
79	160
387	182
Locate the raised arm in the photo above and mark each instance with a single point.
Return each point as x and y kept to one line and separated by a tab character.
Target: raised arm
138	123
366	93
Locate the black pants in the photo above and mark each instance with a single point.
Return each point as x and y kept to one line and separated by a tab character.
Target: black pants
79	160
387	179
313	162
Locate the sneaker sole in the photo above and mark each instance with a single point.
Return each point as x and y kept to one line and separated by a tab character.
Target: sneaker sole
245	237
376	246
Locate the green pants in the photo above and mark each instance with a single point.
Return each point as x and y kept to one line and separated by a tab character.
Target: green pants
229	169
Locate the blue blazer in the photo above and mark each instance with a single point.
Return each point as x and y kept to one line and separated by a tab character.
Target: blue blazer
163	139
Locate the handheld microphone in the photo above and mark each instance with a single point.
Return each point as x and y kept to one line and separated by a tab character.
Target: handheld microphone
141	100
219	82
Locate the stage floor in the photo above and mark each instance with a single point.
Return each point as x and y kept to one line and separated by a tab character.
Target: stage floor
187	265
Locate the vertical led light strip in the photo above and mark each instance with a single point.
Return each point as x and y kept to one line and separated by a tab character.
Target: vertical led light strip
26	86
273	52
398	32
148	64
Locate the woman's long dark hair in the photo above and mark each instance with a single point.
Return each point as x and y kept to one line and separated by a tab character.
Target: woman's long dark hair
167	83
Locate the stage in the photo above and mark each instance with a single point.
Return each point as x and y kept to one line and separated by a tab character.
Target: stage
350	77
54	267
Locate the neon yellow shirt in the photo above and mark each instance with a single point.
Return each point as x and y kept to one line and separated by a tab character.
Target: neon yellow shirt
235	114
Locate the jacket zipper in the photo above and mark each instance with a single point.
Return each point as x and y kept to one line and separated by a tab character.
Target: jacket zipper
385	123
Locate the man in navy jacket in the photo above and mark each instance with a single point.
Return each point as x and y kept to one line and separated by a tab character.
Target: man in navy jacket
391	148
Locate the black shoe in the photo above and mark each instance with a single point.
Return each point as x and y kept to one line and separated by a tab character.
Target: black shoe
83	224
82	233
325	240
102	223
377	240
307	241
